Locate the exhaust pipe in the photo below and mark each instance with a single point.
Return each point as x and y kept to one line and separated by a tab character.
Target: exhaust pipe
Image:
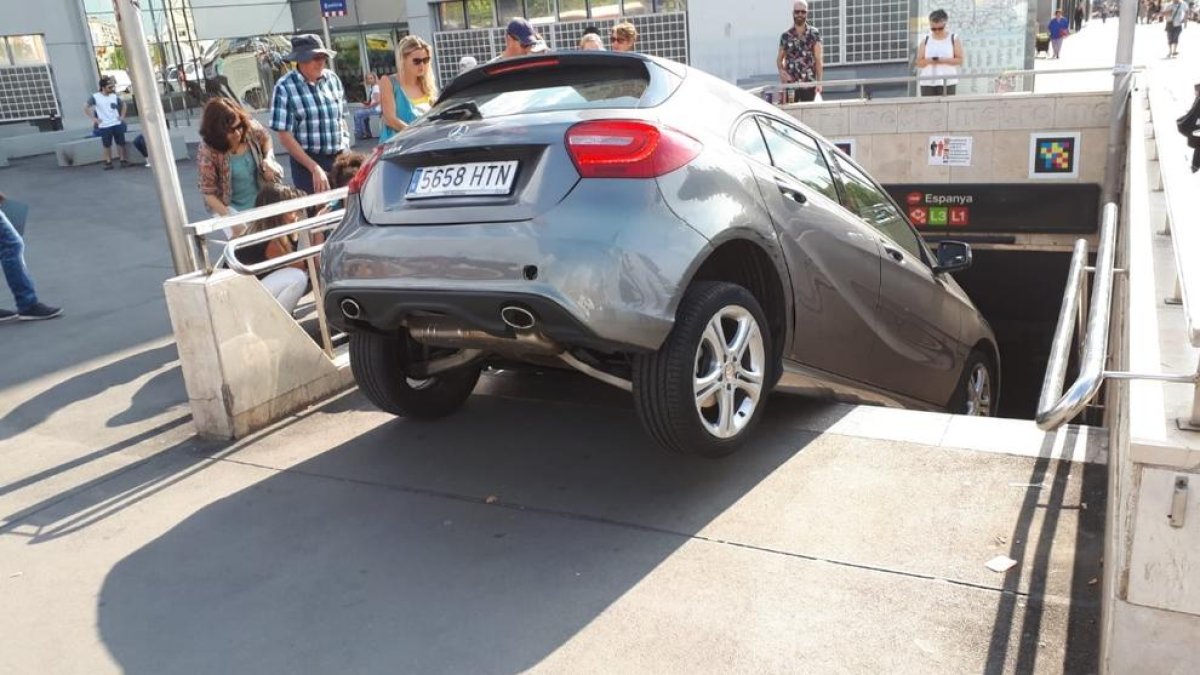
350	308
438	332
517	318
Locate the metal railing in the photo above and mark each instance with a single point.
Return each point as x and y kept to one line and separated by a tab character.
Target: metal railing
1003	81
306	252
1055	407
1177	185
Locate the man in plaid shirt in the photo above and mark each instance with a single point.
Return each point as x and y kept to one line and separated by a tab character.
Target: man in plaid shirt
307	112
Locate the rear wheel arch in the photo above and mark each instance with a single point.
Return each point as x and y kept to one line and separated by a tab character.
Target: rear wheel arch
748	264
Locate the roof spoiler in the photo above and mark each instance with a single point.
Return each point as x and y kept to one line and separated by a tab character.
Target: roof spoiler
563	59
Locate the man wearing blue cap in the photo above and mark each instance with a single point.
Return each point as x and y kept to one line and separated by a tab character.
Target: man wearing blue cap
307	113
520	39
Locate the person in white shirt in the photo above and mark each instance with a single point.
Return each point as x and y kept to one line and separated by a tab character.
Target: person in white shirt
107	111
939	55
362	118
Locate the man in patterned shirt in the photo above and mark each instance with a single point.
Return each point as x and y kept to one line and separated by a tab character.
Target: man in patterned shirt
800	58
307	113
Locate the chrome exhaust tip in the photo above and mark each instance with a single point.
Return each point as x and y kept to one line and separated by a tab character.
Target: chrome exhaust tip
518	318
350	308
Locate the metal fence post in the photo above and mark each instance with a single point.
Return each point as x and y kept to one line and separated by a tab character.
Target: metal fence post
154	128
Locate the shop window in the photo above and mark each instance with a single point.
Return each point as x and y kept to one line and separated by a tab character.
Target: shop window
348	65
509	9
635	7
606	9
27	50
381	53
480	14
451	15
572	10
539	11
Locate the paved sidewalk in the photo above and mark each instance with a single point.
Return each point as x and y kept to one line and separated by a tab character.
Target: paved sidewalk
537	530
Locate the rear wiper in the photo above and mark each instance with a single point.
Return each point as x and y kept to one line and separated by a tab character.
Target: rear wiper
467	110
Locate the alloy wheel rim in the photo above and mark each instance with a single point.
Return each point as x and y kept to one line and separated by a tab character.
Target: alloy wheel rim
979	392
729	371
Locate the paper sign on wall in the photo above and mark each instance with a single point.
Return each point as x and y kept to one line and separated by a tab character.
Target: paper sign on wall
950	150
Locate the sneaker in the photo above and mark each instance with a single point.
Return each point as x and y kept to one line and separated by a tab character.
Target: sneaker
125	164
40	311
108	166
7	315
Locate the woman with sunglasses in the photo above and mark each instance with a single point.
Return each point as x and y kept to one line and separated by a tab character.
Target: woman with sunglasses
939	57
235	159
409	93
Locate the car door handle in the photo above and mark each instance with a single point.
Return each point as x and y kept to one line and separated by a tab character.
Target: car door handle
792	193
894	253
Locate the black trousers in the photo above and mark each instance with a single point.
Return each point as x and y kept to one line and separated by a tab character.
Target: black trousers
938	89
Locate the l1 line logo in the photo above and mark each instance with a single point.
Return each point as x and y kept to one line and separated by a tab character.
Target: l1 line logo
939	210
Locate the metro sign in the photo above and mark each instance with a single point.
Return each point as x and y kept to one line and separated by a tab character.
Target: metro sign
919	215
333	8
960	216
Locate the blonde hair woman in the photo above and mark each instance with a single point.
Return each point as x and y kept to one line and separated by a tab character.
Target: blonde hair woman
409	93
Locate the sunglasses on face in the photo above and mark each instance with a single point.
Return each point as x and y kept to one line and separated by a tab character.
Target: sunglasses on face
937	29
617	38
799	11
421	62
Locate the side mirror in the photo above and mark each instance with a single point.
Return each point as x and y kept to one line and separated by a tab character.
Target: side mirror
952	256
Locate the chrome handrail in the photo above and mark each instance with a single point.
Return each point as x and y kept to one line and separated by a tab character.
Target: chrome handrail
306	253
317	223
1055	409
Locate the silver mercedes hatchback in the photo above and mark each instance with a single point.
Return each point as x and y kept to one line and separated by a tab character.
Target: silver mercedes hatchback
655	228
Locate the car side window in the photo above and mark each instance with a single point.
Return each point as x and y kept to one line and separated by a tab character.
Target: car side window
796	153
748	139
864	198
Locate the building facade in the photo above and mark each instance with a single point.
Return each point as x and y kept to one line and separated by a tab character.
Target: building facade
201	41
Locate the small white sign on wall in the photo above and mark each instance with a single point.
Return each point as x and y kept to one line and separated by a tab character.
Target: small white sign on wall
950	150
846	145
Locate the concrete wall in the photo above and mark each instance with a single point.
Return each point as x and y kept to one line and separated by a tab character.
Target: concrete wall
68	46
217	19
892	138
246	363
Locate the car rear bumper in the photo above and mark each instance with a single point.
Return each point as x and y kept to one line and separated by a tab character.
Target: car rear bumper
609	282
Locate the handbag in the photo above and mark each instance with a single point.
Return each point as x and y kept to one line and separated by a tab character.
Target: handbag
264	162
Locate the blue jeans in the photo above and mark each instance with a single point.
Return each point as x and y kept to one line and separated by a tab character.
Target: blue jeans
362	121
12	257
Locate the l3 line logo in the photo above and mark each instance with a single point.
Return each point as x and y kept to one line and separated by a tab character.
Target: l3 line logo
922	210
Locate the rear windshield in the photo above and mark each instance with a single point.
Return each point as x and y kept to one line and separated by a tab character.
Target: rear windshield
556	88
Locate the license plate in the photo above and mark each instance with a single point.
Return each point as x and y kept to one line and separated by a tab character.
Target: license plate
456	180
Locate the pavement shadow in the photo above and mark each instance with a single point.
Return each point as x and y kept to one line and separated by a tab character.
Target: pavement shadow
1082	649
81	387
479	544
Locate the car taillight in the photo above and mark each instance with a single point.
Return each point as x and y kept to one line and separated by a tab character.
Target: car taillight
364	172
628	149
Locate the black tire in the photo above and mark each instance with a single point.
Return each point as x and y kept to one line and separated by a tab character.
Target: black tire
663	382
378	363
960	402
